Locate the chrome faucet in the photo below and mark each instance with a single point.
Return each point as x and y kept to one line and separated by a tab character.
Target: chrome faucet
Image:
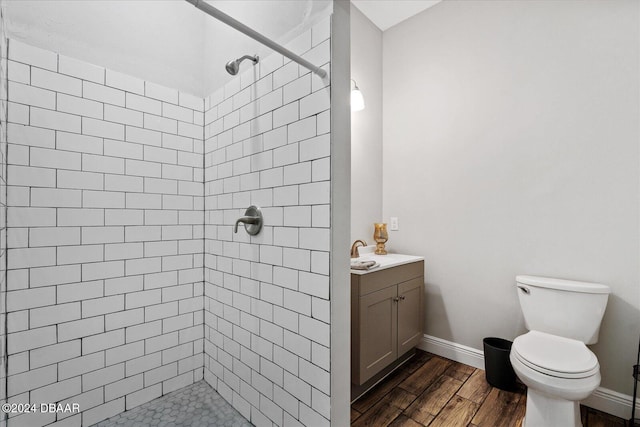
354	248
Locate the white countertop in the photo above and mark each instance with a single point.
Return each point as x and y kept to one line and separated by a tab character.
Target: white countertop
385	261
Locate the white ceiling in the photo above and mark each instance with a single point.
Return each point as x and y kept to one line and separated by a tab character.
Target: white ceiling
387	13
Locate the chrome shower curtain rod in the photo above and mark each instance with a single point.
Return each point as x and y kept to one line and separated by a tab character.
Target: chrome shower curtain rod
221	16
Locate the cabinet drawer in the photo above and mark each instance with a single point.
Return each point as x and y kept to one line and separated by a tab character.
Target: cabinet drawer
377	280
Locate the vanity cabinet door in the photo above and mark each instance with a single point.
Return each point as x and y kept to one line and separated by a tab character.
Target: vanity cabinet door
410	314
378	331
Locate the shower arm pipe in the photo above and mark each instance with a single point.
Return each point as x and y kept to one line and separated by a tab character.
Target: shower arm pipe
221	16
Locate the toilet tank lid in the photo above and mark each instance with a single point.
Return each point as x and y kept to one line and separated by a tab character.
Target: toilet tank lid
564	285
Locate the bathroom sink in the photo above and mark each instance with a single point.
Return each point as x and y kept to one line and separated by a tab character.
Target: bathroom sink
385	261
366	250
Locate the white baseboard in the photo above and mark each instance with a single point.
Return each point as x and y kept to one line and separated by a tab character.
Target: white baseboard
602	399
612	402
454	351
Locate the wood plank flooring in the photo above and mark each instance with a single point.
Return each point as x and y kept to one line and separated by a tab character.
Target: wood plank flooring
433	391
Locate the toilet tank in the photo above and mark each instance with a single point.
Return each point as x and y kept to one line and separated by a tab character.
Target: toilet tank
566	308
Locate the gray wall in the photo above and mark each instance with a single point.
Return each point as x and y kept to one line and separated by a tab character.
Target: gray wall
511	147
366	127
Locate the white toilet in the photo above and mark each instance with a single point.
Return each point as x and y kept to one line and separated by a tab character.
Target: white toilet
552	359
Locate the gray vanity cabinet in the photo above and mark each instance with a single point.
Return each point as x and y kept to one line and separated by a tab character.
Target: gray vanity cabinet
387	312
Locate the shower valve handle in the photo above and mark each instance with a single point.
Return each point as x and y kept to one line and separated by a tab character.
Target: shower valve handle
252	221
246	220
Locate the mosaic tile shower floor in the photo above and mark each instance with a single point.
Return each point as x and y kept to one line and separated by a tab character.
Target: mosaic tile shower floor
197	405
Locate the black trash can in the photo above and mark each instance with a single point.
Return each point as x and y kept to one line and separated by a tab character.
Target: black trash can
498	369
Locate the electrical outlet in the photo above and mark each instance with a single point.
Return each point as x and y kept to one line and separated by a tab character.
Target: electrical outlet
394	223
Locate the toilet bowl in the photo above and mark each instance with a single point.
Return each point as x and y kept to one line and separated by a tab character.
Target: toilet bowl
552	359
559	372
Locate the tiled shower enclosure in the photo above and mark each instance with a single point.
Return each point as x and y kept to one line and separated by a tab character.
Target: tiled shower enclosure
124	278
267	311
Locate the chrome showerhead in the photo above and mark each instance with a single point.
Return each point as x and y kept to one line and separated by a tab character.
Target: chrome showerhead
232	67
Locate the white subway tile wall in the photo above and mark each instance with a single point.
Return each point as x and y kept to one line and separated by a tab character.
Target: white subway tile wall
267	315
105	235
18	115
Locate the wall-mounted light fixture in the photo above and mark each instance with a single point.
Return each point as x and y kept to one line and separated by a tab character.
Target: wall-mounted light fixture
357	101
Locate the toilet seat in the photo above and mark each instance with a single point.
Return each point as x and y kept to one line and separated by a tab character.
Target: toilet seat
555	356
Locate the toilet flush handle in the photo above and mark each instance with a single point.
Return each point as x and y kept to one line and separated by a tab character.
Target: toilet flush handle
524	289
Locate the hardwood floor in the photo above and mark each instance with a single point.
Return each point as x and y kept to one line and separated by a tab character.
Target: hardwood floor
433	391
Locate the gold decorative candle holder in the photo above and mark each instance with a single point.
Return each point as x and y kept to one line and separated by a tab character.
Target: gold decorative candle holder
381	236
